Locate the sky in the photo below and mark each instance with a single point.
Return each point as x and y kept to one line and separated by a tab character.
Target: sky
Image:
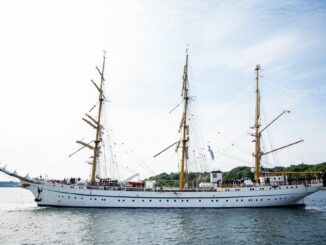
49	50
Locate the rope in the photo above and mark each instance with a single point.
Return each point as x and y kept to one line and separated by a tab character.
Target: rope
235	144
296	130
135	158
52	148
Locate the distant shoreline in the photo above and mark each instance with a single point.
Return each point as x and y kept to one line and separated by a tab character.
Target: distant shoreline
9	184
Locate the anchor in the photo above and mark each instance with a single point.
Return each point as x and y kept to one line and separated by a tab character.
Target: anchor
38	198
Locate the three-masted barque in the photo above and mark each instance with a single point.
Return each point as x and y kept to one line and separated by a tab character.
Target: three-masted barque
264	191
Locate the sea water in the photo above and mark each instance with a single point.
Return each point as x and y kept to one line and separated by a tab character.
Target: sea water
22	222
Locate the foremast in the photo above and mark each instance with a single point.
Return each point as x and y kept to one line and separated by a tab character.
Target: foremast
184	126
257	133
98	124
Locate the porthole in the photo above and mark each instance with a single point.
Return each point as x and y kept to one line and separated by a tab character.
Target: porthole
118	200
133	200
187	200
256	200
167	200
181	200
150	200
199	200
227	200
142	200
236	200
175	200
160	200
212	200
216	200
95	199
123	200
90	199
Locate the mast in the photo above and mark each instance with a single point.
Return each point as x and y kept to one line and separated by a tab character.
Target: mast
184	140
257	133
98	125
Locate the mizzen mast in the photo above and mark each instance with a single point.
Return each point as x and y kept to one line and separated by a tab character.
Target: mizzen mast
98	123
184	126
257	134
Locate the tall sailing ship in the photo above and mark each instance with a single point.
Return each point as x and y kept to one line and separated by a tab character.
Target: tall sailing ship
263	191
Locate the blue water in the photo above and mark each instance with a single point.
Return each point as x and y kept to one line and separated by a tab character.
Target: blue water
21	222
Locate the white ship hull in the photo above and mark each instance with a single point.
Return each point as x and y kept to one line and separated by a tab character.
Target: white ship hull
57	195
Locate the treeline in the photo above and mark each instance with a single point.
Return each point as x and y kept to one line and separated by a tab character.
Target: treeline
238	173
244	172
172	179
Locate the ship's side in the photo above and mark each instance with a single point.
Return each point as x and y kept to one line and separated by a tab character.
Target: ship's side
48	194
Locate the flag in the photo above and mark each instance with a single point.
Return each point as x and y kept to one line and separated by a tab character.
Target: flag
211	152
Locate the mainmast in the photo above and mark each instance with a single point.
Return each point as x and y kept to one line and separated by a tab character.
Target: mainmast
98	124
184	125
257	125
